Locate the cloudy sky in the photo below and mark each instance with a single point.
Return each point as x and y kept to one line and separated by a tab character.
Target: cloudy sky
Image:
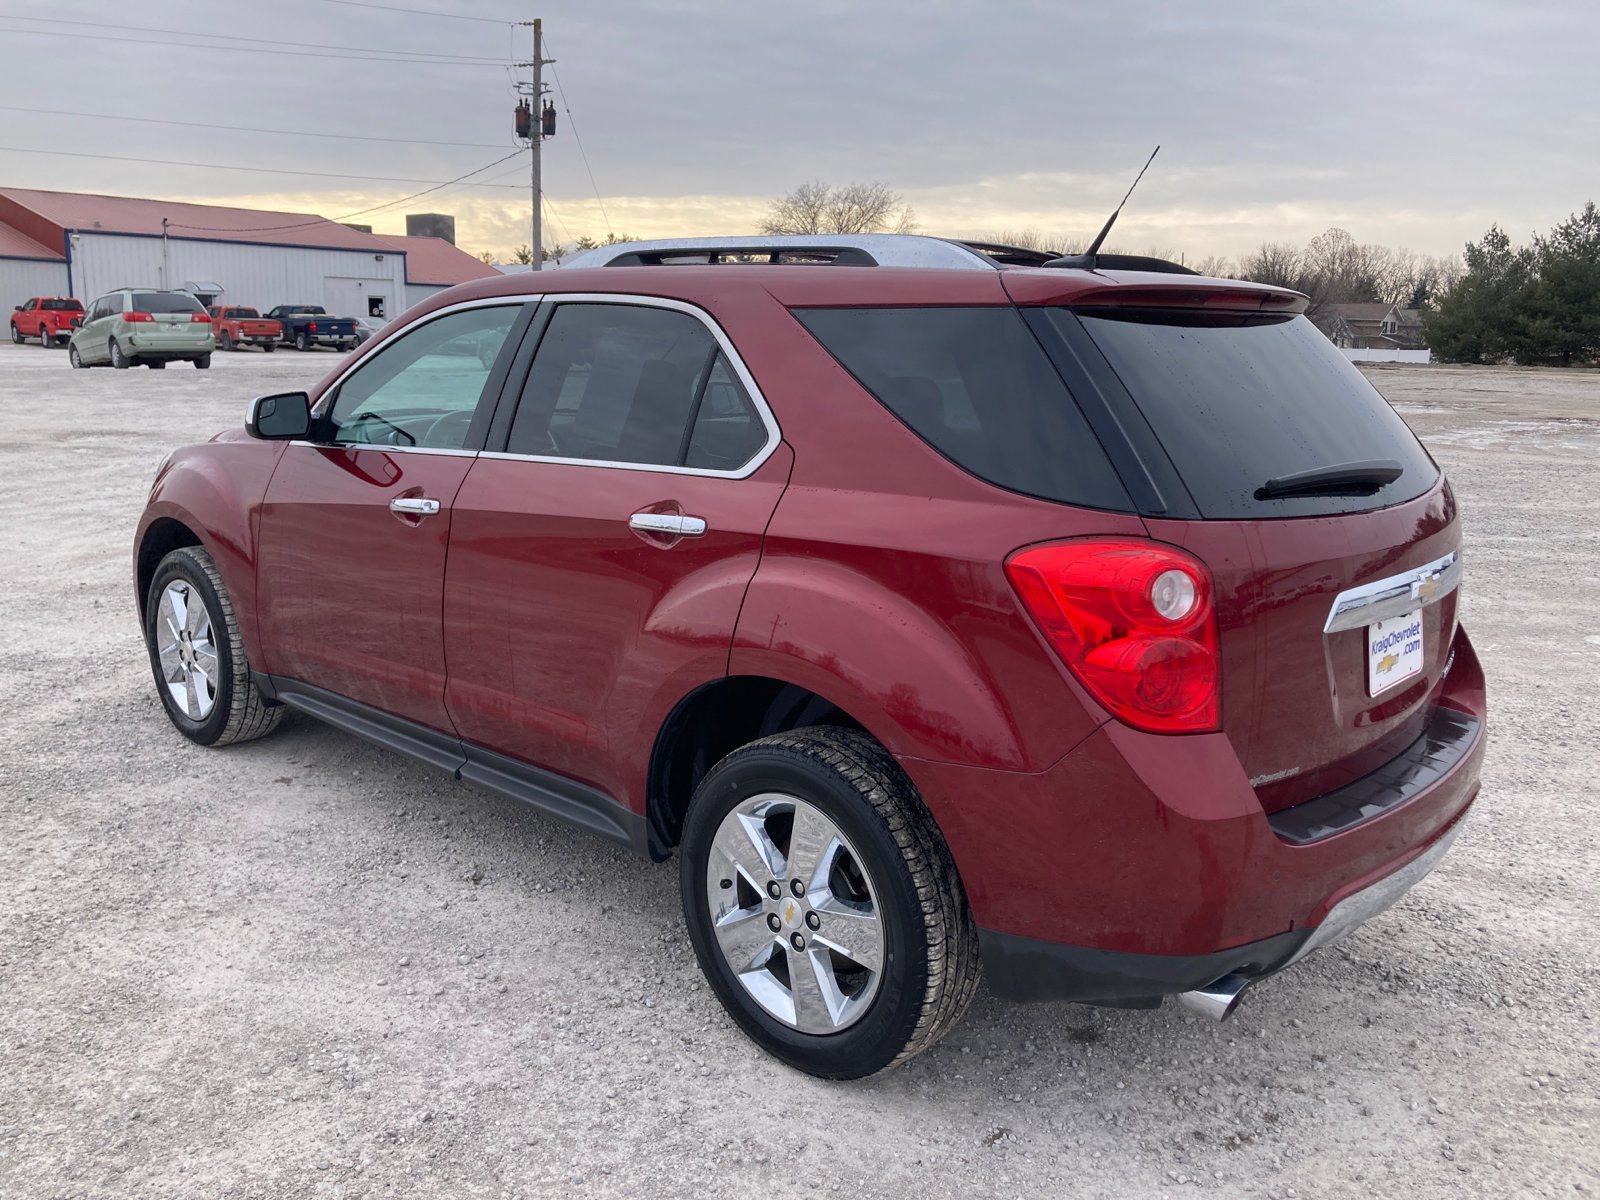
1414	124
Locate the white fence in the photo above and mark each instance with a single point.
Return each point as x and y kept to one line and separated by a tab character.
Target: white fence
1395	356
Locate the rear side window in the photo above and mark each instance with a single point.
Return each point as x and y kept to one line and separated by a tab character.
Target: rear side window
975	385
165	302
1240	400
627	383
61	305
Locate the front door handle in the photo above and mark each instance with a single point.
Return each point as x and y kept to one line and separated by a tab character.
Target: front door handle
670	524
414	506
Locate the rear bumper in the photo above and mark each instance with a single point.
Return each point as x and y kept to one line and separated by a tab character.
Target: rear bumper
1025	969
1142	865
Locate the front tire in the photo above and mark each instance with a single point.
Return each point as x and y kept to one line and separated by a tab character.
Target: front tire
156	364
16	334
203	362
824	905
119	360
269	347
197	655
72	357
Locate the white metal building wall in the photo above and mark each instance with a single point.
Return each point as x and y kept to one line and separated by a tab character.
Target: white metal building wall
21	279
416	293
255	275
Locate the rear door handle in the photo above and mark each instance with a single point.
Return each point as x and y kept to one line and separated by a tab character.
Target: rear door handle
414	506
671	524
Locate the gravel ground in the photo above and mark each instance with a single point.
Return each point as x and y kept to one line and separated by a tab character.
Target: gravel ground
305	967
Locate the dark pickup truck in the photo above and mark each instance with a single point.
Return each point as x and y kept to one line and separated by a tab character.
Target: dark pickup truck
306	326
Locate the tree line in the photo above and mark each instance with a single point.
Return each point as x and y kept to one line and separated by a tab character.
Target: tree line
1532	304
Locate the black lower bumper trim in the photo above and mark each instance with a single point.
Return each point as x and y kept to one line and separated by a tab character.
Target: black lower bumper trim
1449	737
1027	969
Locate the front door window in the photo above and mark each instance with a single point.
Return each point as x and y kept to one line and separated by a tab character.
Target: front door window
422	389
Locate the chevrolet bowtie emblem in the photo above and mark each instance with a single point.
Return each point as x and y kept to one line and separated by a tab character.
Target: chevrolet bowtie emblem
1426	589
1388	663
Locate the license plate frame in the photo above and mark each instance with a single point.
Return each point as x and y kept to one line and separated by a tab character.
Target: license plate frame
1394	652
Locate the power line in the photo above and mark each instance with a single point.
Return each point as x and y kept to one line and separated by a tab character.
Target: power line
420	12
167	162
101	37
232	37
59	112
574	127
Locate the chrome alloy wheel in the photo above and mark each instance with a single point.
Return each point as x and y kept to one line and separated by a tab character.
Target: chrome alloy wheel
794	913
188	652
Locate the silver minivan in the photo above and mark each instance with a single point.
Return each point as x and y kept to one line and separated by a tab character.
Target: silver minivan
143	326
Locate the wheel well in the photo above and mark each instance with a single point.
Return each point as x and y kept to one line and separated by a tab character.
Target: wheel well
161	539
712	722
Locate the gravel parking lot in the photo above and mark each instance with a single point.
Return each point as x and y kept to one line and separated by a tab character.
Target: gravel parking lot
305	967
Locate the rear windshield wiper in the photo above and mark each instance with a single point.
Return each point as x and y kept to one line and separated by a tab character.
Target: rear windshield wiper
1341	477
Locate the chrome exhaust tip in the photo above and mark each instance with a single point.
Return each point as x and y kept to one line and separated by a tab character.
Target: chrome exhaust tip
1217	999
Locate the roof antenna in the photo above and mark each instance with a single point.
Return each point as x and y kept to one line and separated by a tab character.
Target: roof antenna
1086	260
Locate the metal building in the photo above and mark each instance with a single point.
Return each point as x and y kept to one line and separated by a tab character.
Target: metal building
74	244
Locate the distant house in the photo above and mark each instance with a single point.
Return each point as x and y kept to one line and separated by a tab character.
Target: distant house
1372	326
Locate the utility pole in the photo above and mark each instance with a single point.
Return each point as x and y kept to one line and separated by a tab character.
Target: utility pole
539	120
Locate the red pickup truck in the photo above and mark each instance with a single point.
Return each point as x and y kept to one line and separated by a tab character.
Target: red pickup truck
236	327
51	319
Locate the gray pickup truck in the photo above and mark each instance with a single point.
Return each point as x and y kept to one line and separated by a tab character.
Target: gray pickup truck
306	326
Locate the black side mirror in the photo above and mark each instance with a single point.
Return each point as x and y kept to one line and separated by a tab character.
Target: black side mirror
16	308
279	418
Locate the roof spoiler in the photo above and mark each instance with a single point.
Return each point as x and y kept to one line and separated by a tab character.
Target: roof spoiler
1118	262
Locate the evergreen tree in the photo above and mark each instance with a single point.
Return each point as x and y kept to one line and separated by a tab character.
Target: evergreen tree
1473	319
1555	318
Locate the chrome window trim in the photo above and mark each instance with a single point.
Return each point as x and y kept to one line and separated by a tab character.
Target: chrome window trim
1396	595
327	397
435	450
768	419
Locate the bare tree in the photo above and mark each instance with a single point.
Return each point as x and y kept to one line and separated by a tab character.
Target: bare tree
1214	266
817	207
1333	269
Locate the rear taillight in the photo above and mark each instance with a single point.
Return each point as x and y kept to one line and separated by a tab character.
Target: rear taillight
1136	623
311	327
137	316
199	319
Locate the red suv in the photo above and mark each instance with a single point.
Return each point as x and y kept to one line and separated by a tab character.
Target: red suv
1094	625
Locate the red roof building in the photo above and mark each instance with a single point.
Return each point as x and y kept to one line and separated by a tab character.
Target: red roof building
78	244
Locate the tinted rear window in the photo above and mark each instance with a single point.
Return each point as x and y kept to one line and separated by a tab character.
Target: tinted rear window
165	302
975	385
62	305
242	313
1236	401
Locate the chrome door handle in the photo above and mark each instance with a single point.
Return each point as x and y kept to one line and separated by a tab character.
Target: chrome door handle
671	524
414	506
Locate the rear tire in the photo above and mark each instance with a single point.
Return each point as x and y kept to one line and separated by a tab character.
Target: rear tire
225	341
203	362
197	655
885	886
301	342
119	360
